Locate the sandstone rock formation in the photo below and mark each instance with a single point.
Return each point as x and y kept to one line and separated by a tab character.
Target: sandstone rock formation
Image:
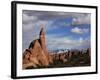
37	54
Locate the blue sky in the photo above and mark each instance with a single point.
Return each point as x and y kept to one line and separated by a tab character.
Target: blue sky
64	30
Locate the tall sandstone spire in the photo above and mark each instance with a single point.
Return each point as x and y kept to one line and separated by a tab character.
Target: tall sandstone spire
42	39
37	54
43	43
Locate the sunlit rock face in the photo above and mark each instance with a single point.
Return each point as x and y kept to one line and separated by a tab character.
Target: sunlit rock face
37	54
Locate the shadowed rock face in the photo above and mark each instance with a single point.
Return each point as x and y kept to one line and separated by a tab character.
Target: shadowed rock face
37	54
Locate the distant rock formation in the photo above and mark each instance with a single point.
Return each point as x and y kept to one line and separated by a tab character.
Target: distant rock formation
37	54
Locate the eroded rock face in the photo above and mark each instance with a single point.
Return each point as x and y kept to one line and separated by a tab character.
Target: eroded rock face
27	59
43	44
37	54
40	54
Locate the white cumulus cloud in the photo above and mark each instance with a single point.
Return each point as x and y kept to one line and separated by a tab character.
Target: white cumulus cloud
62	43
79	30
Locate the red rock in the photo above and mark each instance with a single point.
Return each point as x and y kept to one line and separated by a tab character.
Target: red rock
37	54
